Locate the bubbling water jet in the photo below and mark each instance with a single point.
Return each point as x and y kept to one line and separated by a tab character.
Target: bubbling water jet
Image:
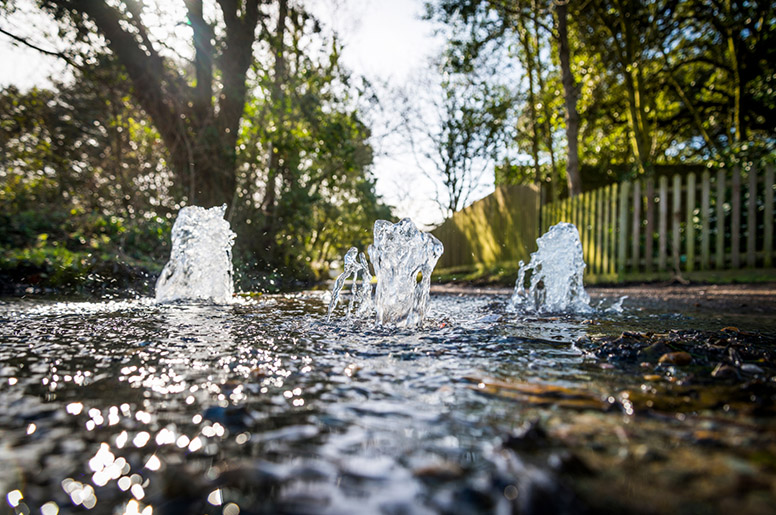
556	275
403	258
200	265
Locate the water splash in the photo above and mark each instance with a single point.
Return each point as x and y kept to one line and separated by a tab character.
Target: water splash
200	265
361	292
403	258
556	275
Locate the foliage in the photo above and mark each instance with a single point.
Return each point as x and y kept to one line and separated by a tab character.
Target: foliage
85	165
660	82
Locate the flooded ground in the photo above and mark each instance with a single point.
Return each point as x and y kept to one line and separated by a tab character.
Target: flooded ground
262	407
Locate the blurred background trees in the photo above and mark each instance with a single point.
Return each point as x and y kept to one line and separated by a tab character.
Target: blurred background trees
625	87
243	103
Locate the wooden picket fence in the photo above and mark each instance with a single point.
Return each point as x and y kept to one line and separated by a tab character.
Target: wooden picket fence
716	226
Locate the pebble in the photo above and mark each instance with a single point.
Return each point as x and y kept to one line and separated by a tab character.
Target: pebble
676	358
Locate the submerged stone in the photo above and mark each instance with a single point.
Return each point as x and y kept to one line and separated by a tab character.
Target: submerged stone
200	265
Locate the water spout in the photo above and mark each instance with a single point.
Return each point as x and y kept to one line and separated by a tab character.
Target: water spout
556	275
403	258
200	265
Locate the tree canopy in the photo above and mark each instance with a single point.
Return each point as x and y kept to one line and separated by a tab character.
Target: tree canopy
634	84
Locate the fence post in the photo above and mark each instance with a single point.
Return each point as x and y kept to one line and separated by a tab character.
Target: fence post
751	219
705	215
719	204
613	236
623	229
768	225
676	217
663	224
690	227
735	219
607	194
599	232
649	231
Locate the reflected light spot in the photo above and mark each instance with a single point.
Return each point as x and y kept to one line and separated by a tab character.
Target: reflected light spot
231	509
165	436
153	463
12	381
75	408
121	439
215	498
125	483
196	419
141	439
50	508
511	492
137	491
182	441
195	445
14	498
31	429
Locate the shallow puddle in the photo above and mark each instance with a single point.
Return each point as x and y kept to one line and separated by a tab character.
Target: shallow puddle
263	407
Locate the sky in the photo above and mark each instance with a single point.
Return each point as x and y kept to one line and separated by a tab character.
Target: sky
385	41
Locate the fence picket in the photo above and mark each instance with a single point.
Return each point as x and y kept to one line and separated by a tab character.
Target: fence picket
676	220
586	222
636	236
599	230
663	224
613	227
719	204
768	225
622	227
649	230
607	194
751	218
705	214
690	224
735	219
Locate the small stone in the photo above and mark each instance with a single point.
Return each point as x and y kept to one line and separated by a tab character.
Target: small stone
443	471
723	371
751	368
676	358
653	351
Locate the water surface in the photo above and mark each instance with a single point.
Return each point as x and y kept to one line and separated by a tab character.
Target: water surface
263	407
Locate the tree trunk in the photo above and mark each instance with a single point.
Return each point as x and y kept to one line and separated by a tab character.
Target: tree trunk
529	68
570	96
274	169
199	138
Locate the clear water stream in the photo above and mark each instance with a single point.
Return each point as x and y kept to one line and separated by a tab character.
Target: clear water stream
264	407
